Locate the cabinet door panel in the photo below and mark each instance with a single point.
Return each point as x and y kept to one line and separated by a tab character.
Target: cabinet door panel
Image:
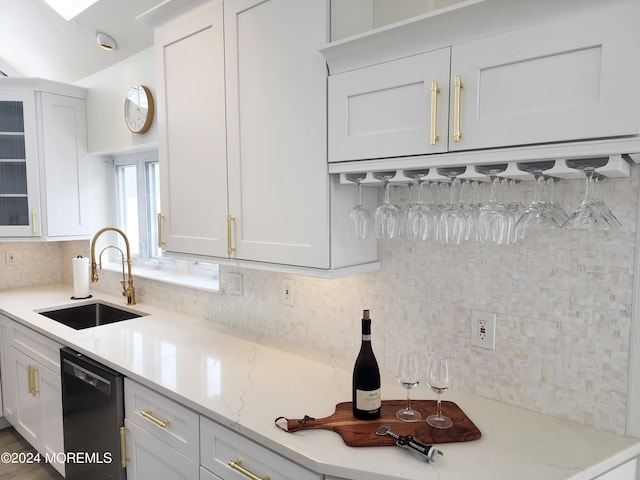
560	81
27	418
276	121
385	110
65	169
191	122
148	458
19	186
52	432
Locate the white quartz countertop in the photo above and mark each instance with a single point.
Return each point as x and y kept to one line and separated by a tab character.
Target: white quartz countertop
245	381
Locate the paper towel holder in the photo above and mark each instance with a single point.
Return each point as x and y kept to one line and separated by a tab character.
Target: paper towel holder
82	298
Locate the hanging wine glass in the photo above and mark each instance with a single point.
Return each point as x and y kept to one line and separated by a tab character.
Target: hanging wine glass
493	218
387	216
589	213
555	209
409	375
359	217
599	198
537	213
439	380
453	217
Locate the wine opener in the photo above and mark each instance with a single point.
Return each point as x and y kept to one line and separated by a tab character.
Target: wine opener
428	452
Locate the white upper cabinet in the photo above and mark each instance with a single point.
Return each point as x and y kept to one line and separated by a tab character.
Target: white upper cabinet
559	79
43	160
242	115
191	125
390	109
276	127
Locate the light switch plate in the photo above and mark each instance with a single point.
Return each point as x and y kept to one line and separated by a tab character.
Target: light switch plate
234	283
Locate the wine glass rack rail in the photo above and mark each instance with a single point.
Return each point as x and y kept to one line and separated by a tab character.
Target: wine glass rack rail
613	166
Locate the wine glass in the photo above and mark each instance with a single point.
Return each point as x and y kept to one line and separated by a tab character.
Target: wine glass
387	216
409	374
439	380
359	216
539	213
494	220
453	218
592	212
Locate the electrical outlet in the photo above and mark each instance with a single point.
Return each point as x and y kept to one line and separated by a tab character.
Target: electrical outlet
234	283
483	329
288	292
10	259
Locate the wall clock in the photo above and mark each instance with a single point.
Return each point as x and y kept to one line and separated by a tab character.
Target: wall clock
138	109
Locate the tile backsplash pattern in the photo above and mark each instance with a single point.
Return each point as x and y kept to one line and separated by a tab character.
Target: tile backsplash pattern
563	301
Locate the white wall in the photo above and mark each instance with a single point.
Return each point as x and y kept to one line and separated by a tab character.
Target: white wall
105	104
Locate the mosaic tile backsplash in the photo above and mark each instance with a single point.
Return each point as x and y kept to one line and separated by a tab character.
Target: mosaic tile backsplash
563	301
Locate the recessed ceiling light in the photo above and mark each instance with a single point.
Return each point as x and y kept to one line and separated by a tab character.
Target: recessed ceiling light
68	9
106	41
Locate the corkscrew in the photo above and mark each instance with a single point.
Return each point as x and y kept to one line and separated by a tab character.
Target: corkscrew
428	452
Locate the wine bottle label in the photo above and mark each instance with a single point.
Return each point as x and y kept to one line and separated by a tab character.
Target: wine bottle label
368	399
366	338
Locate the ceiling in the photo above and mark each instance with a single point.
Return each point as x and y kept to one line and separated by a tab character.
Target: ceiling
36	42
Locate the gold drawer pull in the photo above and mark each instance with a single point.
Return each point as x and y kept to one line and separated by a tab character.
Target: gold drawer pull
237	465
148	414
123	447
435	90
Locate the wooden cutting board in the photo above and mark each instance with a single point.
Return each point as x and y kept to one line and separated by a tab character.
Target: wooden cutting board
362	433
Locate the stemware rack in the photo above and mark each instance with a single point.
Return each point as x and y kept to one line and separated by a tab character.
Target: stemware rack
613	166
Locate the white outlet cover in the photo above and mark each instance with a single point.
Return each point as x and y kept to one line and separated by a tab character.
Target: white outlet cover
483	329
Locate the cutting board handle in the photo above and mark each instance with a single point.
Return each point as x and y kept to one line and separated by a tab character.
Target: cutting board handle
293	425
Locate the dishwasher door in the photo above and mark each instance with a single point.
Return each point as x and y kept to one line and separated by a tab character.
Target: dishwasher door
93	413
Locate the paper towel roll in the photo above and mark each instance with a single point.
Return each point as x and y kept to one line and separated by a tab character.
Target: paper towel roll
80	277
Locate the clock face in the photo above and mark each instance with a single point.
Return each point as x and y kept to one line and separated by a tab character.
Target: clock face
138	109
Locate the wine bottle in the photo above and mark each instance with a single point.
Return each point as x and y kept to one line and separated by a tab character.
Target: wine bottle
366	397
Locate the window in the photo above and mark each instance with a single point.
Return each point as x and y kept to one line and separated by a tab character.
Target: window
137	186
138	203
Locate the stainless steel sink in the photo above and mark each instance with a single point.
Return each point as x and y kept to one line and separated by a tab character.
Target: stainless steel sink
89	315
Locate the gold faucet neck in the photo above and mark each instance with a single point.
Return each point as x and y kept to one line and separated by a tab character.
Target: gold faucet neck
127	285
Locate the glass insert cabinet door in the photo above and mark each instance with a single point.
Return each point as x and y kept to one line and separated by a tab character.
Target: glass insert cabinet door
18	165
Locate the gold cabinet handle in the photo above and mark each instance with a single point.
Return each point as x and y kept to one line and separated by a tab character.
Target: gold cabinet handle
148	414
435	90
161	242
230	248
123	447
457	86
34	381
32	385
34	230
237	465
29	380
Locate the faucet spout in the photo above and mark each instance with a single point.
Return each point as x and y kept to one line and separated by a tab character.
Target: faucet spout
127	285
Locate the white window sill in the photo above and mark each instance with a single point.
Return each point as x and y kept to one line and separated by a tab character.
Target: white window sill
169	276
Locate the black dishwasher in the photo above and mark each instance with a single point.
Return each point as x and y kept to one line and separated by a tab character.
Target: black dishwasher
93	413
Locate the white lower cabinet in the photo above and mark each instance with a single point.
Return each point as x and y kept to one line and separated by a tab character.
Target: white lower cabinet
149	458
32	388
231	456
626	471
207	475
161	435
